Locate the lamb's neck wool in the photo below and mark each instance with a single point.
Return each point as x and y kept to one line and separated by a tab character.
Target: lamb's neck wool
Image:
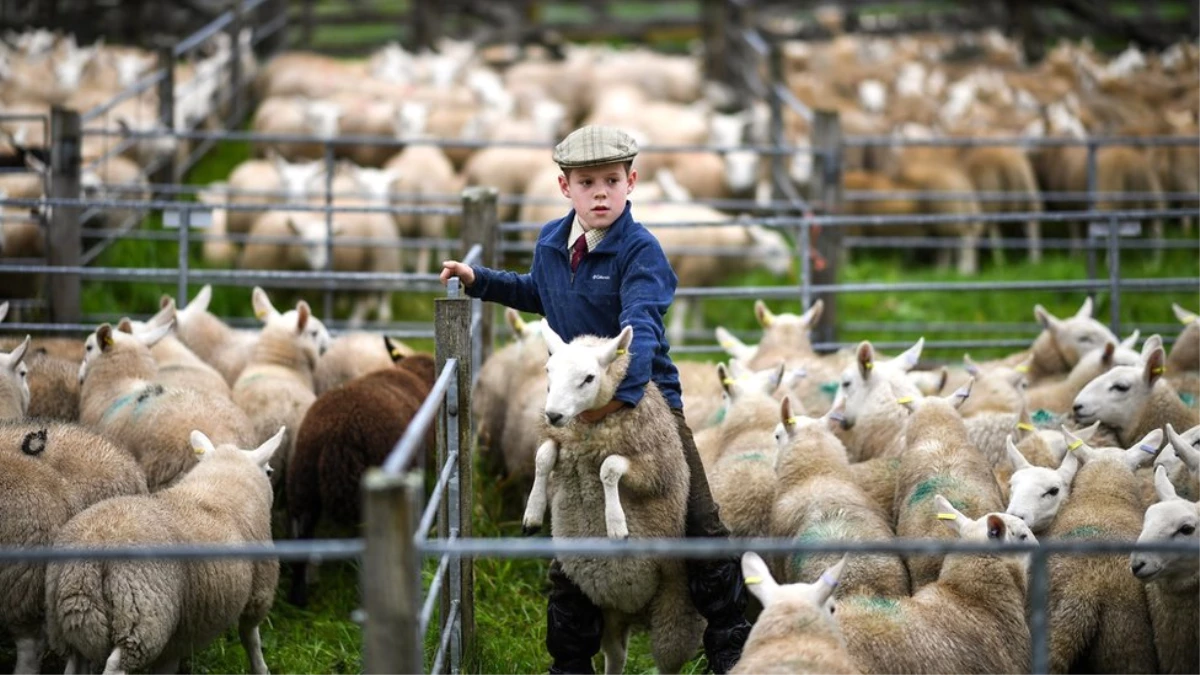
119	372
879	433
1048	359
936	422
750	413
171	350
1175	616
813	453
988	431
795	639
1057	395
995	583
1185	353
1163	407
279	347
11	401
1105	503
203	333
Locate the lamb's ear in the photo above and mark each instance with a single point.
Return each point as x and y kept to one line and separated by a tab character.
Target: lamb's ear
911	356
961	394
262	454
618	346
813	315
732	345
758	578
1189	455
1024	366
1024	424
827	583
18	353
952	517
943	378
785	412
166	312
1131	341
1153	342
776	377
997	529
1144	451
514	320
1048	320
1163	486
201	301
125	325
969	364
764	315
553	341
865	357
1075	445
1155	366
1086	433
394	352
726	380
162	301
263	309
151	336
1014	455
292	226
303	314
201	445
1185	317
104	337
1106	357
1068	467
3	310
1085	310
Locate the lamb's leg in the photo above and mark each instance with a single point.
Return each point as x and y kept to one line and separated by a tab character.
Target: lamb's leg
113	665
1033	234
362	306
535	508
994	236
252	643
614	642
968	255
29	654
75	664
611	471
678	325
385	307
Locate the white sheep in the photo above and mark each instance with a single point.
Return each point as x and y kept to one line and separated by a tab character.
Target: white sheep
873	422
353	354
1181	458
1133	400
1036	493
211	339
629	467
150	614
14	383
1063	342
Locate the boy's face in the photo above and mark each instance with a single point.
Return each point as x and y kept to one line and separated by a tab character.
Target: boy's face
598	192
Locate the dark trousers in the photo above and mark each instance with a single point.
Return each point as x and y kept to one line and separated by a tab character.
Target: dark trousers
574	622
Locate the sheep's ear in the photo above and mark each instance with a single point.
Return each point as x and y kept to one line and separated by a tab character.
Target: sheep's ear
813	315
997	529
725	378
1014	455
912	356
201	444
776	377
1185	317
618	346
1106	357
1024	424
263	309
514	320
1068	467
758	578
1131	341
1144	451
1075	444
865	358
1163	485
943	378
303	314
125	325
1153	342
827	583
3	310
1048	320
1085	310
1155	366
1024	366
164	300
952	517
151	336
17	354
553	341
764	315
291	225
785	412
1086	433
166	312
733	346
393	351
1189	455
201	301
961	394
836	416
104	337
262	454
971	367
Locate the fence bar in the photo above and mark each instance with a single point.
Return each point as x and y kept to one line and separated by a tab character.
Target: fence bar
391	573
63	247
452	618
452	326
435	592
826	186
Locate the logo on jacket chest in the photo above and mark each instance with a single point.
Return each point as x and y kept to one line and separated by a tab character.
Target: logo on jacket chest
602	277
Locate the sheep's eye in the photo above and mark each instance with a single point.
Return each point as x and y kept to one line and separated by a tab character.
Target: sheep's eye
1119	386
1187	530
270	471
1024	537
1085	339
588	380
846	384
1052	492
87	348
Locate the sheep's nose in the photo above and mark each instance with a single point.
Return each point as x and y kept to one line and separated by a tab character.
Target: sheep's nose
1077	408
1137	566
554	418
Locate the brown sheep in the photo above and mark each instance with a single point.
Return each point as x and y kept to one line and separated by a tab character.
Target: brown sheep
345	431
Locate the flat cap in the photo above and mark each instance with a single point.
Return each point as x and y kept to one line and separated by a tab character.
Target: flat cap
595	145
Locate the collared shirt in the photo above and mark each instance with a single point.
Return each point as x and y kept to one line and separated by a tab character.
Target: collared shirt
594	235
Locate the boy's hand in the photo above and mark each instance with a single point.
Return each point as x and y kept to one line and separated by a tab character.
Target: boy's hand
453	268
596	414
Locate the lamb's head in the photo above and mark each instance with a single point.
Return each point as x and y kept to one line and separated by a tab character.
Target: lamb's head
529	335
1170	519
1181	449
797	434
791	607
375	184
1118	397
583	374
787	331
741	171
1077	335
412	119
744	392
1051	442
128	65
870	383
1000	528
256	462
314	232
1139	454
321	118
1037	492
309	333
997	389
771	249
70	65
121	353
296	179
14	382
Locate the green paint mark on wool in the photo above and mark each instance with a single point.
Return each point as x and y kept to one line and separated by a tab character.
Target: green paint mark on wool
1042	417
929	487
830	388
1084	532
752	457
874	603
833	526
1188	399
720	416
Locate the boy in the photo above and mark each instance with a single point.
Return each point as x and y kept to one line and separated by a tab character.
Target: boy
594	272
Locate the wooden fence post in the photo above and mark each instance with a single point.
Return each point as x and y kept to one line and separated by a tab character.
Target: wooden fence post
714	31
63	246
236	95
826	144
481	221
452	331
391	573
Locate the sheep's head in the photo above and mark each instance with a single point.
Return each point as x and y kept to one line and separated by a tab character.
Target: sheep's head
321	118
376	184
107	343
314	233
1170	519
14	378
796	430
1118	397
296	179
791	605
787	330
1037	493
1181	450
129	65
1076	336
1139	454
313	336
871	383
583	374
69	66
998	527
259	458
412	119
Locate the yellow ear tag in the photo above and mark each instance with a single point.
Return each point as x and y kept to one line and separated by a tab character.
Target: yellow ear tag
904	399
198	450
108	341
869	365
767	320
621	352
792	420
947	516
726	344
519	324
1074	445
396	353
1159	370
750	581
260	314
1025	426
1022	369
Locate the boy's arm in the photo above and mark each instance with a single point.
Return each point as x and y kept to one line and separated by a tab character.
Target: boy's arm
647	288
507	288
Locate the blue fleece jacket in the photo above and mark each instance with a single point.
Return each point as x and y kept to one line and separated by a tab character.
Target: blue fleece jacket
625	281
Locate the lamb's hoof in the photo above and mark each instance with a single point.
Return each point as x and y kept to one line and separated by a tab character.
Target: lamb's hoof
530	530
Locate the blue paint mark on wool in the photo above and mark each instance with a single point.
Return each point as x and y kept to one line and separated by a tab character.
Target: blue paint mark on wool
1188	399
830	389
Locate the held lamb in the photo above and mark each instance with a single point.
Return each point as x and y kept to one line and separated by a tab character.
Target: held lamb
629	467
149	614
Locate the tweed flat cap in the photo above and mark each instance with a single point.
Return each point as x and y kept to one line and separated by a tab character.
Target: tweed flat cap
595	145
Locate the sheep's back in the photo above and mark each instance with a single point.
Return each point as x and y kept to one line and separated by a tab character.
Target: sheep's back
33	508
